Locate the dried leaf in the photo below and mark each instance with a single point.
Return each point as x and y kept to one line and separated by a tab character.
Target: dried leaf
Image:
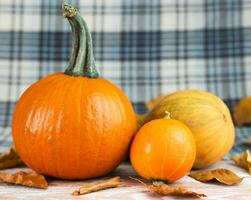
30	179
224	176
243	160
10	159
153	102
242	112
248	141
100	185
140	120
168	190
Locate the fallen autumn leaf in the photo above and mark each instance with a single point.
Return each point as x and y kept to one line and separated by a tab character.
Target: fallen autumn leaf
167	190
243	160
223	176
10	159
96	186
30	179
242	112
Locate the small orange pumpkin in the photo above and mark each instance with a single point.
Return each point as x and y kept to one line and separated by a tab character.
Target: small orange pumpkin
163	149
74	125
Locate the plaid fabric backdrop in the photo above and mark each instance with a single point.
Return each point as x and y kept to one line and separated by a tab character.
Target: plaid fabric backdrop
147	47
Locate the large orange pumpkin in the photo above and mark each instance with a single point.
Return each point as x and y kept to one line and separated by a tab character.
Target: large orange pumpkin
74	125
163	149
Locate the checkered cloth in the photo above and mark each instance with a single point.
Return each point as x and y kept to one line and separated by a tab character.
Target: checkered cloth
146	47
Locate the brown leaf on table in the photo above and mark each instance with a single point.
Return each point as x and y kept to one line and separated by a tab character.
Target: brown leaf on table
10	159
242	112
99	185
153	102
248	141
167	190
243	160
31	179
223	176
140	120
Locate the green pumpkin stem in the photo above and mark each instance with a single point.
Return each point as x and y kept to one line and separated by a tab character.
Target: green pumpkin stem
82	61
159	181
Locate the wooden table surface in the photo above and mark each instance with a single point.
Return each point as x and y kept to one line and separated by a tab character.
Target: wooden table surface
59	189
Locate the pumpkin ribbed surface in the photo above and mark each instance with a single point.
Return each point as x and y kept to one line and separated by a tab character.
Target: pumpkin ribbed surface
163	149
73	127
207	117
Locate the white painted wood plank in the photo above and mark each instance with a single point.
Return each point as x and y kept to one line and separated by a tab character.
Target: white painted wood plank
60	189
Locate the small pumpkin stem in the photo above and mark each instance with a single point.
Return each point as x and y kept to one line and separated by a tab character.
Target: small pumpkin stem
167	115
158	181
82	61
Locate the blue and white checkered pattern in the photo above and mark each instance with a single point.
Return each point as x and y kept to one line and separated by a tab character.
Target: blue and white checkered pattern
147	47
